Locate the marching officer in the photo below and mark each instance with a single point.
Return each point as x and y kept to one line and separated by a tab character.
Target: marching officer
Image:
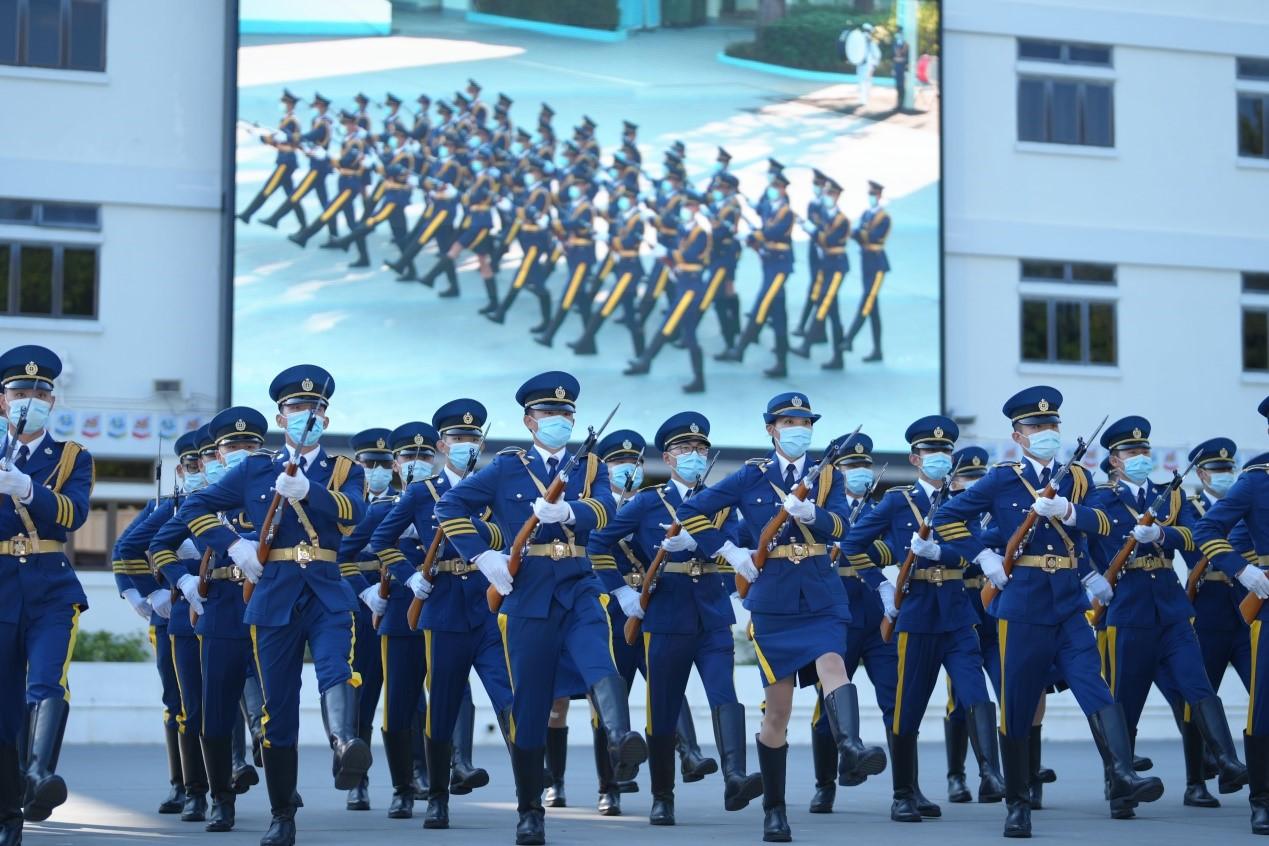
829	234
555	604
935	623
351	168
460	633
533	227
724	220
576	231
314	144
624	239
437	222
871	234
475	233
1041	604
44	490
798	607
302	600
285	139
1247	500
1148	624
690	621
810	223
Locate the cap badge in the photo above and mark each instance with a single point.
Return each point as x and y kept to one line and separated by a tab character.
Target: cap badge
1043	405
938	431
859	447
693	428
418	440
796	402
1224	453
307	384
560	393
31	368
1136	433
626	444
240	425
381	443
977	461
467	417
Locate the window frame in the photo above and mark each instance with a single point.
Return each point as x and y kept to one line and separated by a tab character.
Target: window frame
1263	97
1241	62
38	217
10	308
1064	53
22	50
1245	309
1068	272
1051	303
1081	99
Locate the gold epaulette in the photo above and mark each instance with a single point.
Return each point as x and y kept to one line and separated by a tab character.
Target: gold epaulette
511	451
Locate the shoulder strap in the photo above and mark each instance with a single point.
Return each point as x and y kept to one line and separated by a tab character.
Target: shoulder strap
65	466
915	512
339	474
1057	527
592	470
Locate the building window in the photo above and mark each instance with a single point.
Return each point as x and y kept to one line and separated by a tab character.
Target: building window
1256	324
1256	282
1254	69
1059	328
48	280
63	34
1085	273
1064	52
1253	130
59	215
1057	110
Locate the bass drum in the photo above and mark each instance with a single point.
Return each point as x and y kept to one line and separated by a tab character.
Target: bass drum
856	46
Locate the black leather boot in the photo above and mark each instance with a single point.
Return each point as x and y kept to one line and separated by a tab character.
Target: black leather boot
398	751
643	364
1111	726
544	310
739	786
45	790
773	763
661	774
252	707
218	757
737	353
244	775
824	757
980	721
903	807
956	742
499	314
451	276
1016	753
526	765
1209	715
176	797
352	754
195	808
254	206
1256	748
465	778
418	726
491	292
854	759
12	788
556	762
693	765
358	798
1196	793
696	357
439	756
780	368
281	768
927	807
609	804
627	748
1043	773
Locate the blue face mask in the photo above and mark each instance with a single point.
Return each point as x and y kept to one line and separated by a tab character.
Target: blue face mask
194	482
442	151
623	203
716	167
817	190
36	414
858	480
460	455
554	431
416	470
1221	482
795	440
1137	469
622	473
685	215
527	180
517	148
561	162
215	470
612	171
690	466
477	167
773	193
873	199
378	479
233	459
828	203
574	192
295	423
716	195
936	465
473	142
1045	444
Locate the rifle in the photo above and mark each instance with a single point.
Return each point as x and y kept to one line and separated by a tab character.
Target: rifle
385	577
1196	576
204	583
553	493
1126	551
13	441
633	624
433	549
766	541
909	560
1021	534
1251	605
836	551
274	515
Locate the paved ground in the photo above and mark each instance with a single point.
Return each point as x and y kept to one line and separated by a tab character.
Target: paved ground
115	788
359	323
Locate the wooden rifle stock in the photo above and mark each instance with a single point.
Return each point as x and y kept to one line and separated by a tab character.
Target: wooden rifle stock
416	604
1250	606
1014	547
553	493
1117	565
1196	576
634	624
909	560
204	582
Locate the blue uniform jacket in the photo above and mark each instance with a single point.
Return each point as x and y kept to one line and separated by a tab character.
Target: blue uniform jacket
681	603
861	590
223	609
508	485
757	491
1142	598
775	239
1246	501
332	512
131	550
134	572
62	478
874	228
1216	602
1032	595
457	602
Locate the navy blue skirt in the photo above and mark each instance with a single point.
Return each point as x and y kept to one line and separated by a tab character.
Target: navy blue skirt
788	644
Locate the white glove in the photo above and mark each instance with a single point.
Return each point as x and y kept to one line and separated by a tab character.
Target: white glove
493	564
680	542
318	153
808	227
658	251
925	547
188	585
543	220
504	205
993	564
376	603
161	601
243	553
292	487
886	591
1098	588
1255	580
741	560
15	483
1147	534
422	587
188	550
629	599
138	603
552	512
802	510
279	137
1055	507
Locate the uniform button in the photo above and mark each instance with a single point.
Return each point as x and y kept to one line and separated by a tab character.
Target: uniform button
759	500
1049	547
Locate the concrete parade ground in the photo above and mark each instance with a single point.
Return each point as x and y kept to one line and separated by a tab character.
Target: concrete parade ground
115	789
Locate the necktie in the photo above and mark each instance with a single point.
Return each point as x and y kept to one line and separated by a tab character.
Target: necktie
303	462
1141	500
552	466
1045	475
790	477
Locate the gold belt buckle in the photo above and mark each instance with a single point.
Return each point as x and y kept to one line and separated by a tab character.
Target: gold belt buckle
696	569
1050	564
559	550
798	551
21	546
936	575
303	555
235	573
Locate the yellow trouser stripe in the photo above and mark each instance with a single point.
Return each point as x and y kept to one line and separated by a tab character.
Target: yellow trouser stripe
180	690
951	696
379	189
264	694
475	241
432	227
1101	652
576	282
427	680
1255	655
872	294
1002	632
898	690
1112	634
776	285
305	184
647	662
354	677
272	184
506	654
708	299
525	264
817	286
677	314
617	292
662	280
605	268
762	662
333	209
383	660
822	312
382	215
64	681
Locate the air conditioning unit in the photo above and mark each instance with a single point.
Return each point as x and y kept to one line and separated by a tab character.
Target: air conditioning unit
167	387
